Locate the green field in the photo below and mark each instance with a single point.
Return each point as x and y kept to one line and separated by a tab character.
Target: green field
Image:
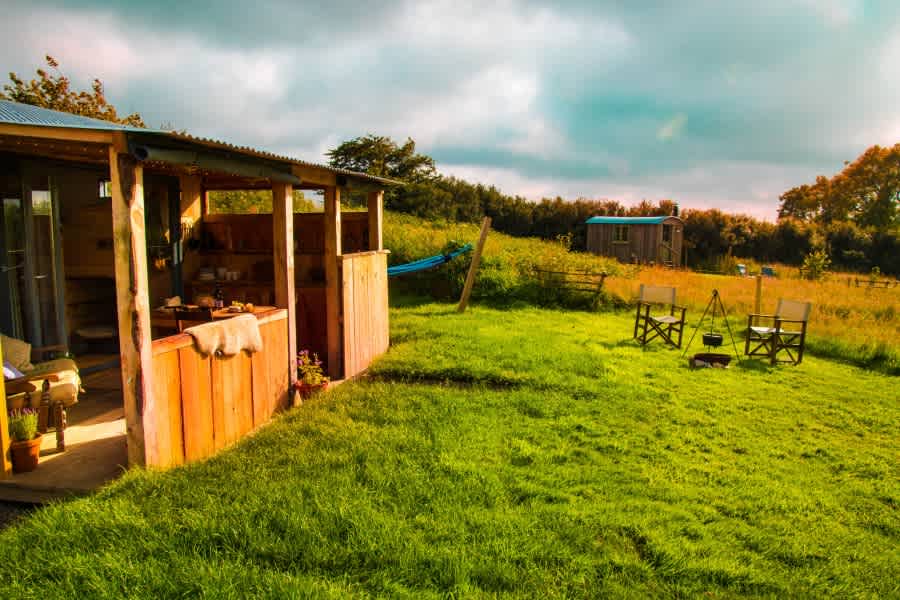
519	453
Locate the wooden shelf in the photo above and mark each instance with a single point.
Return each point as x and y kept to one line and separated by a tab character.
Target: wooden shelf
253	252
236	282
248	282
256	252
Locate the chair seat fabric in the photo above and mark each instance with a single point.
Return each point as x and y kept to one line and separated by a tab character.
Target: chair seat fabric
64	390
666	319
771	330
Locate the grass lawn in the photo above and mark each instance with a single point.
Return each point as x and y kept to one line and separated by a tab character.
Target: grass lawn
523	453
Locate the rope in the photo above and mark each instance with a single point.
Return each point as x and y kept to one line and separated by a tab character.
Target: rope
427	263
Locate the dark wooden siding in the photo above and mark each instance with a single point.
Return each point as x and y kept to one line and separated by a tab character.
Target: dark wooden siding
644	245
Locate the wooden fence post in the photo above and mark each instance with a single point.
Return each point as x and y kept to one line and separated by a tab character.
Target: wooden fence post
757	305
473	268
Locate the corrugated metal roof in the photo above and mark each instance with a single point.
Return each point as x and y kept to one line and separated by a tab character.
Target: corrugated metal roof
220	145
627	220
26	114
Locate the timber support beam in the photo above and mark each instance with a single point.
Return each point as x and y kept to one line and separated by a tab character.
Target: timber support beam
283	257
133	302
332	258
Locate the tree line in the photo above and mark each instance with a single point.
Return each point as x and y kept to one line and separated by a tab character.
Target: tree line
854	224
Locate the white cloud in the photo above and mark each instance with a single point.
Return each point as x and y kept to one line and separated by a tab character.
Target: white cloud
515	80
834	13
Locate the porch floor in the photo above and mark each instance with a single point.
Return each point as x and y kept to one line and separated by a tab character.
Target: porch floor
95	443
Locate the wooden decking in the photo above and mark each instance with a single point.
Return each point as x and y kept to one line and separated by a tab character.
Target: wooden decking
95	444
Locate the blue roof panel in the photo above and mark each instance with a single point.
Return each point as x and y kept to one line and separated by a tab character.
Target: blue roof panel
25	114
626	220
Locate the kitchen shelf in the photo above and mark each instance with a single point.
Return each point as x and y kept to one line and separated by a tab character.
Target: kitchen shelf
230	282
254	252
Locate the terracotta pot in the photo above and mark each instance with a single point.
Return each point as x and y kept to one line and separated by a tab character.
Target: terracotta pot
25	454
306	390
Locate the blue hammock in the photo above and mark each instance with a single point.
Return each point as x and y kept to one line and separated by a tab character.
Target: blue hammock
427	263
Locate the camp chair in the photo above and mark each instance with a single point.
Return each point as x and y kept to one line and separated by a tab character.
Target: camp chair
787	333
50	387
188	317
648	327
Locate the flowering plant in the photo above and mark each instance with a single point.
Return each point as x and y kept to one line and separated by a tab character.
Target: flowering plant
309	369
23	424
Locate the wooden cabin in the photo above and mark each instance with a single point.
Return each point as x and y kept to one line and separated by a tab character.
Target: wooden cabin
102	222
642	240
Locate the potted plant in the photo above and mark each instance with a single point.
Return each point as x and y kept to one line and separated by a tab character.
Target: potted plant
310	377
25	447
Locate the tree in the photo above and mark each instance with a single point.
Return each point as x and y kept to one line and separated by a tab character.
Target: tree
866	192
54	92
381	156
872	182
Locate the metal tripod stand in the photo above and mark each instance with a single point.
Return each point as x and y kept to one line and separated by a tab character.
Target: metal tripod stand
714	302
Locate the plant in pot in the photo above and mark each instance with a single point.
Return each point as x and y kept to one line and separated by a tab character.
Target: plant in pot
310	377
26	441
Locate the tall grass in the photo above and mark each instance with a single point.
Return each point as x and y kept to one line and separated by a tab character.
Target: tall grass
851	323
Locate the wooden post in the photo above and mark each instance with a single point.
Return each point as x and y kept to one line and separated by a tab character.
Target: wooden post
757	305
191	195
133	302
5	464
473	268
375	205
332	279
283	255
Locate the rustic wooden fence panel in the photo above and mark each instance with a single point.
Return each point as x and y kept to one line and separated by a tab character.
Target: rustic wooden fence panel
202	404
365	309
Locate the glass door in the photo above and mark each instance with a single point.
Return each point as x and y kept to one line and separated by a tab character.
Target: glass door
32	271
12	257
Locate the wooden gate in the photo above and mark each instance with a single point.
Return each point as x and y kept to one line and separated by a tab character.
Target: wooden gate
365	309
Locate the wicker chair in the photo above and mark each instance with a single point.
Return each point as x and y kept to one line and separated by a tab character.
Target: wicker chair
50	387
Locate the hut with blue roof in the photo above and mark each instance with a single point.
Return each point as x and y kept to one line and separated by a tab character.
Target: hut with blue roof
643	240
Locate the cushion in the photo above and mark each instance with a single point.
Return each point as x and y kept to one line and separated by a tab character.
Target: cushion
17	352
10	371
64	390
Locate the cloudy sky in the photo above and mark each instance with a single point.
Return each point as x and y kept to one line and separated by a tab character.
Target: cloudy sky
710	103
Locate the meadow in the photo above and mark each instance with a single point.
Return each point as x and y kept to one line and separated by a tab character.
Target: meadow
516	453
851	323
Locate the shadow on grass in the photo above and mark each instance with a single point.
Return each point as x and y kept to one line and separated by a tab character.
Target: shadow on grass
448	376
756	365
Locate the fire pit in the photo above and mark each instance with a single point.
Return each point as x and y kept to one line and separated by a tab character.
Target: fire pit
709	359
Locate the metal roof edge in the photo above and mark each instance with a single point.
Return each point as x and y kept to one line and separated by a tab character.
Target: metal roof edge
17	113
611	220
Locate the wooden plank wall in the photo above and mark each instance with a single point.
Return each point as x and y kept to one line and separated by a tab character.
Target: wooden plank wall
256	231
643	242
206	403
365	304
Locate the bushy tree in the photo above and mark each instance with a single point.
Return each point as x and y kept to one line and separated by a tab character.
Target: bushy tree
55	92
383	157
866	192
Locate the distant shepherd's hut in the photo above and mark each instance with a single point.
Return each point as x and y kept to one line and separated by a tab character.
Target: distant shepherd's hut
637	239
